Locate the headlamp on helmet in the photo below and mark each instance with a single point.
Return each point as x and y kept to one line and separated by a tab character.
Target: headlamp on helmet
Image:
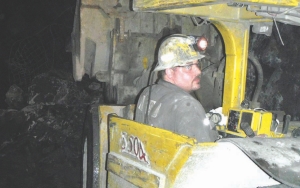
177	50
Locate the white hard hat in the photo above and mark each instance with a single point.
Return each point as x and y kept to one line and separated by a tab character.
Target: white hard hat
177	50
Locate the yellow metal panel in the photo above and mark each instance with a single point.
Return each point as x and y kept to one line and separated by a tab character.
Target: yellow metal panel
236	37
264	127
270	2
259	121
219	12
260	124
277	135
104	111
177	162
134	172
155	148
144	5
140	5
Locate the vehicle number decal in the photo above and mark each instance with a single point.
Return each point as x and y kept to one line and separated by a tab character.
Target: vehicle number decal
132	145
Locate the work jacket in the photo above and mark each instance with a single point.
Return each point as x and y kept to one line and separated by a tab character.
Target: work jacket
176	110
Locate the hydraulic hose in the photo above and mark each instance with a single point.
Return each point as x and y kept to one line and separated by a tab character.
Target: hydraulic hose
217	83
260	78
146	120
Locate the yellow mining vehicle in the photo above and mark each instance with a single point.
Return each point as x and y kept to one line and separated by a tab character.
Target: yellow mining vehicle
116	41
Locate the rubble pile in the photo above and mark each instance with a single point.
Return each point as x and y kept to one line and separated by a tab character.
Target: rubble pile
40	141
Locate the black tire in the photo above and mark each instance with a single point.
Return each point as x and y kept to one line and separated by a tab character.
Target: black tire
90	149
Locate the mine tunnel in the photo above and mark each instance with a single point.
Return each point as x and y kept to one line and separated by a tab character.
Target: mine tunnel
44	100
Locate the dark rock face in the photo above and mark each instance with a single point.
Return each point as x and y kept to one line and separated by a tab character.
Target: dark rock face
280	63
12	124
52	88
15	98
46	149
40	145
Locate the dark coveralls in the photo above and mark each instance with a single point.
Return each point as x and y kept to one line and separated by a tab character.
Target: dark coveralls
176	110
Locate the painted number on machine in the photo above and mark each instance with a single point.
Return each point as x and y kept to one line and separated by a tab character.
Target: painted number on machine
132	145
